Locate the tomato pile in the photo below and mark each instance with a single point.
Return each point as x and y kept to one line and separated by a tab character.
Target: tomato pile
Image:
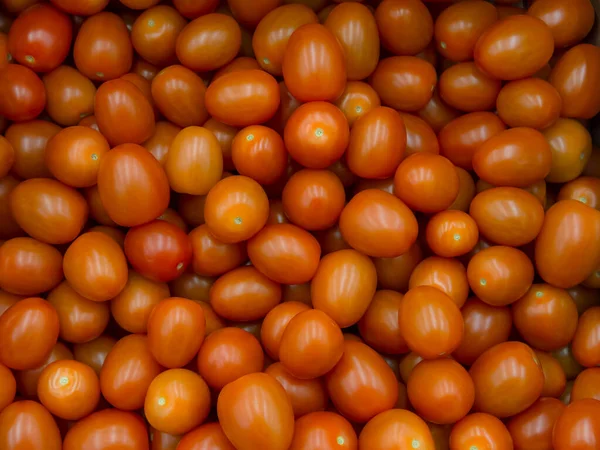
299	225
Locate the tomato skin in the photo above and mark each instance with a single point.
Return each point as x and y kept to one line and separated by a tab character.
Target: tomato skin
405	83
571	146
446	274
208	435
517	157
395	429
451	233
480	429
387	233
436	113
376	154
586	385
159	143
586	345
394	273
246	97
379	324
376	393
28	330
584	189
325	430
533	427
555	379
314	65
464	87
103	49
86	277
579	99
127	174
514	47
355	28
109	427
273	33
491	377
93	353
29	267
27	424
420	137
9	387
459	26
405	27
569	23
274	325
78	8
580	413
357	99
7	156
247	402
22	93
572	222
40	38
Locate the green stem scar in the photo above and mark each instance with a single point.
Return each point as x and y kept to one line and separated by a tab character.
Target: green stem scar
63	381
456	237
483	282
415	444
250	137
30	59
162	401
319	132
237	220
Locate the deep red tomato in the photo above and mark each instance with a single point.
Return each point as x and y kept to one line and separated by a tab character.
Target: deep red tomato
22	93
267	420
581	414
40	38
28	425
103	49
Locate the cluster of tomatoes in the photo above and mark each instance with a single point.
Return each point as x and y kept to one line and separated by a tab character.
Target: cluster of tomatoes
299	225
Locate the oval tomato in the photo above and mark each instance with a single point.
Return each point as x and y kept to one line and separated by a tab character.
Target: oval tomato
480	430
22	93
464	87
29	425
569	22
581	413
323	429
396	427
405	27
586	345
571	147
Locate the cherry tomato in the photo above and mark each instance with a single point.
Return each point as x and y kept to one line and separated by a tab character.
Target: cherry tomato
48	210
178	400
27	424
441	391
9	387
70	95
571	147
405	27
576	245
255	412
585	344
127	174
123	387
209	435
430	321
395	428
464	87
79	8
569	23
480	430
159	143
514	47
573	76
586	385
103	49
22	93
124	429
244	294
236	209
459	26
325	430
379	324
436	113
451	233
316	134
405	83
358	99
584	189
81	320
447	275
7	156
314	65
507	367
394	273
93	353
555	378
533	427
581	414
29	267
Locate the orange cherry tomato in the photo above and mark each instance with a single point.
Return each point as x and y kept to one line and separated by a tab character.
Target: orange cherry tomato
255	412
507	216
451	233
396	427
273	33
242	98
92	353
29	331
405	83
275	323
394	273
426	182
378	224
379	324
9	388
159	143
533	427
584	189
571	147
430	321
576	245
377	144
586	385
29	267
195	8
459	26
22	93
480	430
464	87
405	27
573	77
103	49
485	326
358	99
97	429
89	279
127	173
7	156
569	23
436	113
446	274
27	424
313	199
122	387
420	137
48	210
78	8
249	15
356	397
211	257
314	65
579	414
81	320
244	294
585	344
507	367
69	95
466	191
514	47
517	157
179	95
555	378
316	134
208	42
325	430
178	400
209	435
236	208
